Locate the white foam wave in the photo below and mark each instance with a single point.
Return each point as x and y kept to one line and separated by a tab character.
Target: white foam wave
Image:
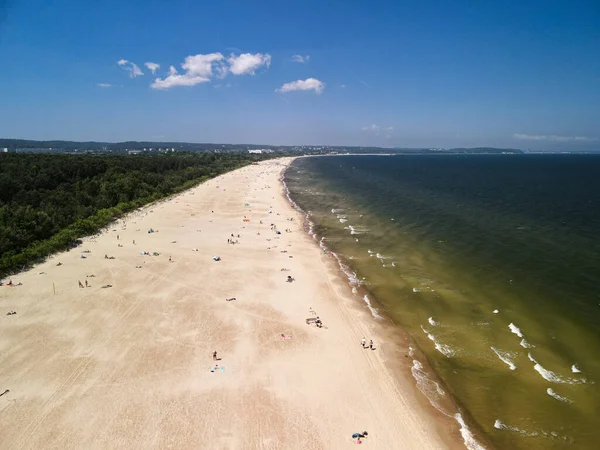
343	220
370	306
505	357
445	350
526	344
515	329
467	435
380	256
430	388
357	229
558	397
501	426
575	369
337	210
553	377
433	322
543	434
415	290
495	311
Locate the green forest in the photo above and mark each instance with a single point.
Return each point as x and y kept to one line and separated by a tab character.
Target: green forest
48	202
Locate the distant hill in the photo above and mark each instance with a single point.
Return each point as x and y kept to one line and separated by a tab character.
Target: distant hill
24	145
487	150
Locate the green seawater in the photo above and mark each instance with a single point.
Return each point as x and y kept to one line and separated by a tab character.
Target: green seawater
492	265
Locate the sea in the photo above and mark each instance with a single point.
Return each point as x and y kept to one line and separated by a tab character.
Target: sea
491	265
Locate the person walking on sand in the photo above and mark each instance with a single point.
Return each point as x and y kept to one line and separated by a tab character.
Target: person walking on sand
371	344
215	356
80	285
363	342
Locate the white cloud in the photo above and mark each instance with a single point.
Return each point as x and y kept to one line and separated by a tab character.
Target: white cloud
553	138
132	68
152	66
104	85
371	128
310	84
300	58
247	63
198	69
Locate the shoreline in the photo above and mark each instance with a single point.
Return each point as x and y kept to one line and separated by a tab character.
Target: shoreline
448	416
127	362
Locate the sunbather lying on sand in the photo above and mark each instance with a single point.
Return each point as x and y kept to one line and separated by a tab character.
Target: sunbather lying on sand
230	299
107	286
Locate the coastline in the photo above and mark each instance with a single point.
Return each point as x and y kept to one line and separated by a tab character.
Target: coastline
129	365
405	363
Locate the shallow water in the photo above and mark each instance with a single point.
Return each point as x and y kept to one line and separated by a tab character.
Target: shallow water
491	264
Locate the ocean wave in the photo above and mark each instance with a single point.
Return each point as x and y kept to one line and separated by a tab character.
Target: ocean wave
501	426
505	357
370	306
445	350
380	256
433	322
553	377
467	435
558	397
526	344
357	229
428	387
515	329
575	369
350	274
343	220
495	311
542	433
337	210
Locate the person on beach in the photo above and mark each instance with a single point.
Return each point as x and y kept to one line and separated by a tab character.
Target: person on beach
357	436
86	283
363	342
215	356
80	285
371	344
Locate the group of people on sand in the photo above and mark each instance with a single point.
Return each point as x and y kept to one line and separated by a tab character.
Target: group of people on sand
363	342
86	284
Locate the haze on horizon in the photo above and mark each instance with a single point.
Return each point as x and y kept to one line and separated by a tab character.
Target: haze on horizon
518	74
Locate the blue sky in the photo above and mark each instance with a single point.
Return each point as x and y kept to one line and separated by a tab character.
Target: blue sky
420	73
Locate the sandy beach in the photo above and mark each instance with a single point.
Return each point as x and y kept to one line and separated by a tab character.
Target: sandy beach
127	362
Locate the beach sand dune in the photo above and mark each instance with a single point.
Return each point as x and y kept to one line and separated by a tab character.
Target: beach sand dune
127	361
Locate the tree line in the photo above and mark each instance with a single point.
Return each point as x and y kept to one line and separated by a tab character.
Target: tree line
48	202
